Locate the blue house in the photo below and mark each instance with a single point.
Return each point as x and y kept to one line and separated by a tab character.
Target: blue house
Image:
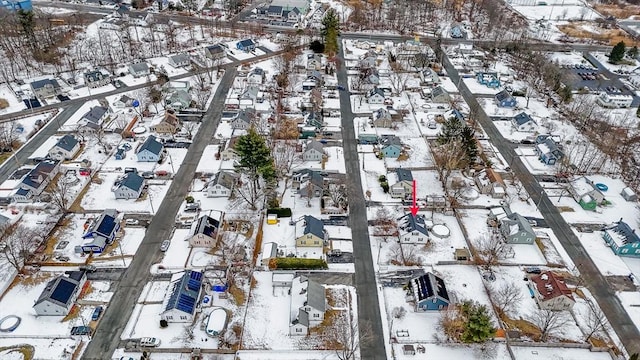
505	100
246	45
151	150
547	150
622	239
15	5
488	79
184	297
458	32
429	292
101	233
391	146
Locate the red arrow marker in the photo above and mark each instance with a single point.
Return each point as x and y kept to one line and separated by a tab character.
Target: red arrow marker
414	208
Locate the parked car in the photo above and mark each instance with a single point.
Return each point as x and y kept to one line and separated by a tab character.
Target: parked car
148	175
341	88
165	245
96	313
131	222
87	268
130	170
80	330
533	270
149	342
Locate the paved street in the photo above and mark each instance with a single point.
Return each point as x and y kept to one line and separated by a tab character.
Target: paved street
22	155
365	280
593	279
116	316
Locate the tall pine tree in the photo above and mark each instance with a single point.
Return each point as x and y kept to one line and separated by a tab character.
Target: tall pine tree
330	32
617	53
256	164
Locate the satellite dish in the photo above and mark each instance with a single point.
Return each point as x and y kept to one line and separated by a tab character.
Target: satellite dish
135	103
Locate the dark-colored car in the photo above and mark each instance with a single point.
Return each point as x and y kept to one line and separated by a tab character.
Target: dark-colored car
96	313
533	270
341	88
80	330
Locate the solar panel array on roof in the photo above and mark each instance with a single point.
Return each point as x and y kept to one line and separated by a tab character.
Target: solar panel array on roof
63	291
186	303
195	281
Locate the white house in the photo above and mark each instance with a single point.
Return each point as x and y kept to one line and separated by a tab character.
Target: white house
179	60
150	150
314	151
96	78
375	96
403	188
223	184
614	100
308	305
60	294
95	117
181	302
139	69
34	183
412	229
129	187
525	123
65	149
204	232
256	76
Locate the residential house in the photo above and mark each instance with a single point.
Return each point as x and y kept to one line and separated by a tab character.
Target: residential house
204	232
215	52
516	229
170	123
524	123
440	96
551	292
139	69
375	96
60	294
403	188
101	232
256	76
308	305
391	146
548	151
246	45
45	88
178	100
15	5
96	78
314	151
367	139
244	119
313	234
182	301
430	77
95	117
412	229
490	182
368	60
488	79
123	102
382	118
458	32
585	193
314	62
310	183
249	97
315	119
229	153
180	60
429	292
36	180
611	100
223	184
372	78
65	149
622	239
505	100
150	150
129	187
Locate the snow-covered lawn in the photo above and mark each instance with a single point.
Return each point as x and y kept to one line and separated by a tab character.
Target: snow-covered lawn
100	197
604	60
557	12
601	254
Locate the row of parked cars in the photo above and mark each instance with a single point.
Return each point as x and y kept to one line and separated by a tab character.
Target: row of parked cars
579	67
588	75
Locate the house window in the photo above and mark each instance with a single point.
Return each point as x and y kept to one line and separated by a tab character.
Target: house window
303	242
316	242
308	236
638	251
434	301
298	330
624	251
169	317
316	315
183	318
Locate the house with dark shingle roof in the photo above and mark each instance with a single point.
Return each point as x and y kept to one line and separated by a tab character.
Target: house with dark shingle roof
150	150
403	188
181	304
516	229
375	96
622	239
215	52
505	100
308	305
65	149
96	78
429	292
314	151
391	146
246	45
95	117
440	95
34	183
45	88
60	294
129	187
180	60
204	232
548	151
101	233
382	118
524	122
139	69
313	234
223	184
412	229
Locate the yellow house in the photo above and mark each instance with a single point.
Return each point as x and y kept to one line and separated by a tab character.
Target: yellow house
313	234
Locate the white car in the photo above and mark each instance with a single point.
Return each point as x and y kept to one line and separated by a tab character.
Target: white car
165	245
131	222
149	342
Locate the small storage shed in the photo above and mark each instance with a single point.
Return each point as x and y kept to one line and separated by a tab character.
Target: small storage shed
629	195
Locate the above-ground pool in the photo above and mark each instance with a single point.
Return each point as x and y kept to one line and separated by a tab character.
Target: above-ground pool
602	187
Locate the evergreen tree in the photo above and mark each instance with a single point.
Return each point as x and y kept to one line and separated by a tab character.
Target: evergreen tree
330	31
455	130
617	53
255	163
478	326
469	143
633	52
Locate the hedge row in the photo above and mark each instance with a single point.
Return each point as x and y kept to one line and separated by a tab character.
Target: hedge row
291	263
280	212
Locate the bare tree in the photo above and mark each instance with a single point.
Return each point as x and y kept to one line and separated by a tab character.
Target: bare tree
595	321
549	322
404	255
398	81
189	127
399	312
385	225
490	249
506	297
60	193
338	194
19	243
350	337
449	157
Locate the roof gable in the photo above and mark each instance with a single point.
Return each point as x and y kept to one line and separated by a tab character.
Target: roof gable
132	181
428	286
185	292
313	226
151	145
551	286
67	142
410	223
404	174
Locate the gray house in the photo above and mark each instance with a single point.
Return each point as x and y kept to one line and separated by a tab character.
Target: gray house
215	52
45	88
60	294
308	305
223	184
65	149
314	151
129	187
382	118
94	118
516	229
440	95
139	69
179	60
244	119
151	150
404	187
